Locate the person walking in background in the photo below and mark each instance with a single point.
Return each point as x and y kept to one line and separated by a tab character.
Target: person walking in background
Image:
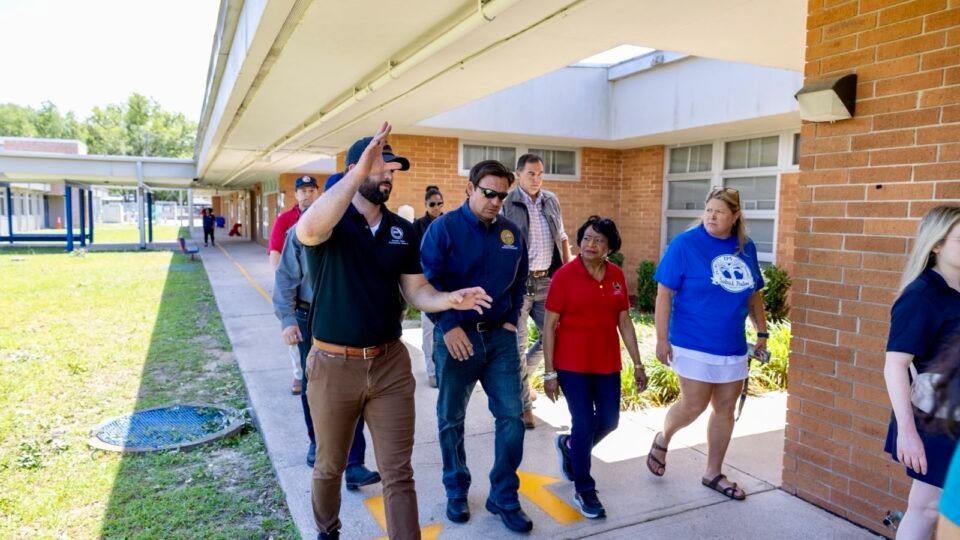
925	313
209	224
537	212
709	281
474	245
292	297
361	256
306	192
433	200
586	305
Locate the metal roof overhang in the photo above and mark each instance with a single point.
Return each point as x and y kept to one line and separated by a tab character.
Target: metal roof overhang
292	81
42	167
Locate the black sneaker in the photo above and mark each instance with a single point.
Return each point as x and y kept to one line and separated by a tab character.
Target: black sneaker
589	505
332	535
358	476
563	451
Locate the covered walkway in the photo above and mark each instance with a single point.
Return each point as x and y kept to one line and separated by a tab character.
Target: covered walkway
676	506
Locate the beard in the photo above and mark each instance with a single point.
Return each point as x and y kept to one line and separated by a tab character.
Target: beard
370	189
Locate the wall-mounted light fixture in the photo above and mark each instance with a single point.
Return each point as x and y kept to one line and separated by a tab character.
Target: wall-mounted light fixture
828	100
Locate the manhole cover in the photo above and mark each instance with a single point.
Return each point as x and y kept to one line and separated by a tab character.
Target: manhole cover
180	426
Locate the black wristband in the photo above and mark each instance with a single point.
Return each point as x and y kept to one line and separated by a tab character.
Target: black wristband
763	335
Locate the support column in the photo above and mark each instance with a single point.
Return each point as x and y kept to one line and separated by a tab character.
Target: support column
190	212
141	207
81	200
68	211
90	206
150	217
9	194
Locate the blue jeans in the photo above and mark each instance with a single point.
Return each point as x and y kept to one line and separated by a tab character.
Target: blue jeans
495	364
594	403
359	448
534	307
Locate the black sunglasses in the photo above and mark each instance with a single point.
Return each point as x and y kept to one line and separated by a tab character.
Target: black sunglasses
491	193
434	204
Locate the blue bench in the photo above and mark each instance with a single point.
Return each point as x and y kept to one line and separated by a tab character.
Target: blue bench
188	250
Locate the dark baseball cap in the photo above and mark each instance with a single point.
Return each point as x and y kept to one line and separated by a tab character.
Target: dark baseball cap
356	150
307	181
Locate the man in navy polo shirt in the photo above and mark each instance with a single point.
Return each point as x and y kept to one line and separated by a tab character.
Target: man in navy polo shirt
475	245
358	252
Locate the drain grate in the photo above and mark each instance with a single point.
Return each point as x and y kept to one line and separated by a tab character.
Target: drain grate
180	426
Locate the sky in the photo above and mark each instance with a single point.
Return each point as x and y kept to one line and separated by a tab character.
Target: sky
79	54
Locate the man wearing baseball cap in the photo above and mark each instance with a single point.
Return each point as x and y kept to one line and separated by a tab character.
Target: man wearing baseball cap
306	191
361	255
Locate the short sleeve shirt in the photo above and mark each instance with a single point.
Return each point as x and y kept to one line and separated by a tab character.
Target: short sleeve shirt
712	287
925	314
587	340
281	225
356	277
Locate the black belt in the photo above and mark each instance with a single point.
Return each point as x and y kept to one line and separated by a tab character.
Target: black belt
539	273
481	326
303	305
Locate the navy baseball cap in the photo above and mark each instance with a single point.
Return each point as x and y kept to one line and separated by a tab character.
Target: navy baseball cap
357	148
333	179
306	181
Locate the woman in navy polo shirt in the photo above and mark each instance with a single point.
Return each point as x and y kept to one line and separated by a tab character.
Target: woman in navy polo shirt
709	281
924	316
586	303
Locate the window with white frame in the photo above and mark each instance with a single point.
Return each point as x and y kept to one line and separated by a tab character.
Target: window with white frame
751	166
558	163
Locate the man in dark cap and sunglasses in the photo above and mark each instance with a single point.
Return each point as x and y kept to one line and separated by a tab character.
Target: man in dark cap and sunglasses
474	244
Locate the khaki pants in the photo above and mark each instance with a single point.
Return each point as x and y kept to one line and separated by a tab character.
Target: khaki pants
382	388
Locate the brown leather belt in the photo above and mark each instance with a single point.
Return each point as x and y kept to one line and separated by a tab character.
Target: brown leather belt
354	352
539	273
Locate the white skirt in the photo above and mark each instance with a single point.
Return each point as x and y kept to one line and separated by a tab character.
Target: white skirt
709	368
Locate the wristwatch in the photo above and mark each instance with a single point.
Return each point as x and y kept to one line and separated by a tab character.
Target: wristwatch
763	334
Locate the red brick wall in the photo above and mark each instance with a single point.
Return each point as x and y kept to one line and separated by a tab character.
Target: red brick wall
863	184
641	200
787	220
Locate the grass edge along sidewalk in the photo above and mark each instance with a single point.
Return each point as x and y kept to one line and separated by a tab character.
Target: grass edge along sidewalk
87	338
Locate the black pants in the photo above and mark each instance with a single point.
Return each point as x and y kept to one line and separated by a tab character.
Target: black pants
208	233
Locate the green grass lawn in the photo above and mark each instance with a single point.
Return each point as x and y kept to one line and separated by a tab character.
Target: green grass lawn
125	233
86	338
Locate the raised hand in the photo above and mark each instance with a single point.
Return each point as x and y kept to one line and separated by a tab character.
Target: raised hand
371	161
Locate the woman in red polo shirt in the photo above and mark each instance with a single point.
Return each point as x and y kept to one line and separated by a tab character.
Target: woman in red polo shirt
586	304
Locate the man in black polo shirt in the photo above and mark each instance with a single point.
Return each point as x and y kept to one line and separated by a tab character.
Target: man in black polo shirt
359	252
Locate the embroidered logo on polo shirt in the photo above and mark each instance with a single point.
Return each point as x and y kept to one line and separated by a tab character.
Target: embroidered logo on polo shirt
507	237
731	273
616	288
397	234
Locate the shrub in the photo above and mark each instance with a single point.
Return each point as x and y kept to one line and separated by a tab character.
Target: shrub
773	374
775	293
616	258
646	286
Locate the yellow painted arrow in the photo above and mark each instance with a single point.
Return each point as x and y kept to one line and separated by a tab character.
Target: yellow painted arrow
375	507
534	487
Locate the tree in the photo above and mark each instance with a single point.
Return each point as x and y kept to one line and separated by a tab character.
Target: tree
139	127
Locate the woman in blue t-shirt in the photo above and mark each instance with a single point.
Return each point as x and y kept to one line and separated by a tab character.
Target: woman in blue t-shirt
925	314
709	281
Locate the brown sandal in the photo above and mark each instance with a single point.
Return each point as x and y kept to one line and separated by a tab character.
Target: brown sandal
657	467
729	491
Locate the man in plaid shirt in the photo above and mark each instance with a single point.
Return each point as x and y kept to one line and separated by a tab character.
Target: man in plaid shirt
536	212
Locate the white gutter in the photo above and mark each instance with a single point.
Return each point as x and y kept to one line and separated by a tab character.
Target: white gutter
484	14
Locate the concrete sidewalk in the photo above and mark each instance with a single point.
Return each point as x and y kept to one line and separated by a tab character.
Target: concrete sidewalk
675	506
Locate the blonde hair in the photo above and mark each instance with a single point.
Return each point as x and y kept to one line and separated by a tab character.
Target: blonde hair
731	198
934	227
